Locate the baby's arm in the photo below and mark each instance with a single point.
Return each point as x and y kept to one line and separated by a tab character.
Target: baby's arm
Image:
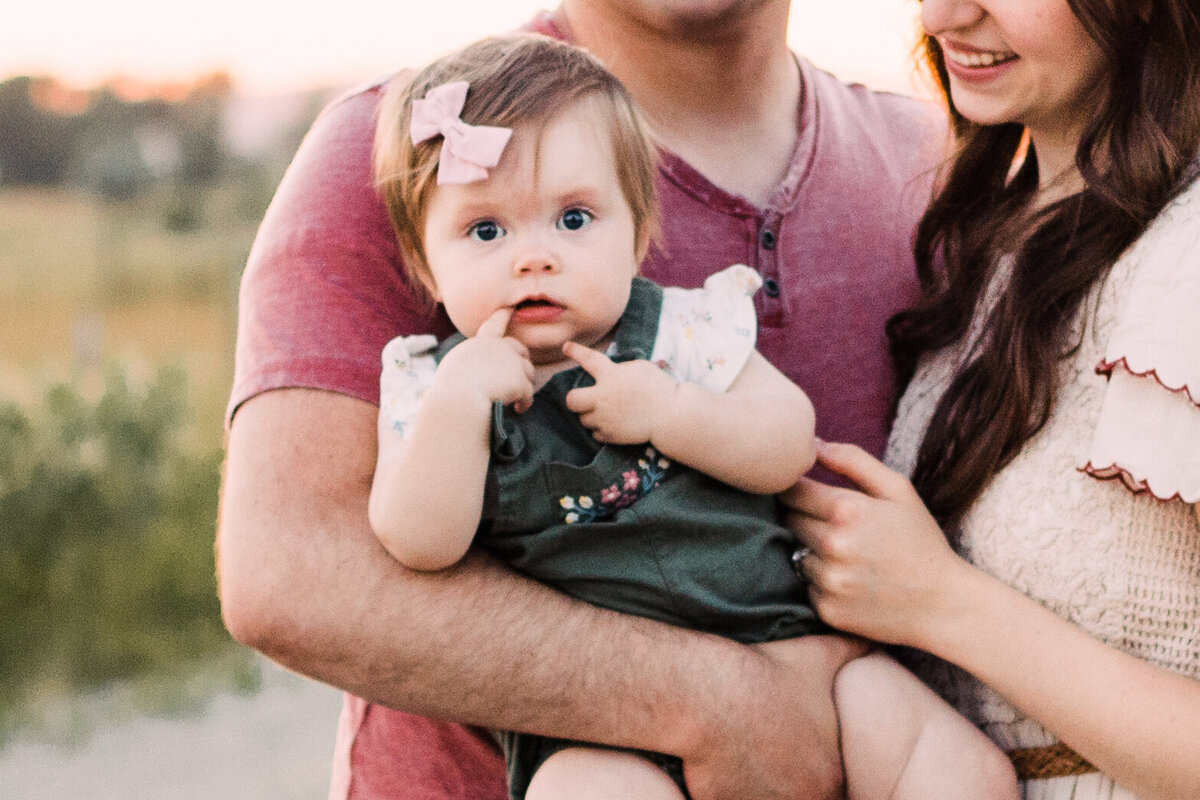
427	495
757	436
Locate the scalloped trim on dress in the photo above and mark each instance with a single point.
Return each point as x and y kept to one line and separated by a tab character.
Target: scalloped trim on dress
1114	472
1105	367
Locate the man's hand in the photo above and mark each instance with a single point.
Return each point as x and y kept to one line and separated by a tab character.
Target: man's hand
779	739
491	363
628	399
304	579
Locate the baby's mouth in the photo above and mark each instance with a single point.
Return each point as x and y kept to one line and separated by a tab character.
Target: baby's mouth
535	302
536	310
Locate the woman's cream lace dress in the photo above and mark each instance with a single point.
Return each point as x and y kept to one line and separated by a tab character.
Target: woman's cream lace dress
1094	518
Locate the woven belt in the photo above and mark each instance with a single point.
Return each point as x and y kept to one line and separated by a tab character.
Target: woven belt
1053	761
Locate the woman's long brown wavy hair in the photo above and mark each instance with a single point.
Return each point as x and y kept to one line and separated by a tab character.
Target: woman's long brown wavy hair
1134	156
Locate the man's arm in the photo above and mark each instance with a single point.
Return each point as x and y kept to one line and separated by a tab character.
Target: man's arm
304	580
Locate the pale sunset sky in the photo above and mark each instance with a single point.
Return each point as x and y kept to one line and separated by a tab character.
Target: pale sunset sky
273	47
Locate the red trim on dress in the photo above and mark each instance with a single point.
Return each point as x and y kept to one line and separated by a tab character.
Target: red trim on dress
1105	367
1112	471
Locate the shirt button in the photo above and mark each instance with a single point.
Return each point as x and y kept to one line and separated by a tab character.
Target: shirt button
767	239
771	287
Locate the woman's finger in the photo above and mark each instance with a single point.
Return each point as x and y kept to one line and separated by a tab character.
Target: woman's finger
867	472
811	498
810	568
812	535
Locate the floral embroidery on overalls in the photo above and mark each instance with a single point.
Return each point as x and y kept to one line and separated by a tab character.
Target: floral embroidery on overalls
634	485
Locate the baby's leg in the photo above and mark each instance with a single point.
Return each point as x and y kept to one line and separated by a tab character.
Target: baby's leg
594	773
900	741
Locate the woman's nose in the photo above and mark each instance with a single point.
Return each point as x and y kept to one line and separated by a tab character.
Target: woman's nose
942	16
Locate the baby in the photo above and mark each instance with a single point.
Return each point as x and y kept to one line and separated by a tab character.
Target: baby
619	441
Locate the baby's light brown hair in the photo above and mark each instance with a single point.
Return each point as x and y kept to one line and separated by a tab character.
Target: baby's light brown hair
514	81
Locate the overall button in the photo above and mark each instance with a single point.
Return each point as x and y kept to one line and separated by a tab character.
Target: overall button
771	287
767	240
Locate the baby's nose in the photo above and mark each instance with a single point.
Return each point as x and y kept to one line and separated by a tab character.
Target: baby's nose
535	261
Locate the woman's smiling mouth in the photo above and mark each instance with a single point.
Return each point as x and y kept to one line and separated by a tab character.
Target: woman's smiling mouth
976	59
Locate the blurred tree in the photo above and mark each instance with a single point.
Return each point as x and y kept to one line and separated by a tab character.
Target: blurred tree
109	158
199	120
111	142
36	143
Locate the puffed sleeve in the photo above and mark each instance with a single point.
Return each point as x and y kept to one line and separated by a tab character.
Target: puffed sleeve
706	335
1148	433
408	367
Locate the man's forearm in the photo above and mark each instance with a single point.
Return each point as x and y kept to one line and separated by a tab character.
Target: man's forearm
304	580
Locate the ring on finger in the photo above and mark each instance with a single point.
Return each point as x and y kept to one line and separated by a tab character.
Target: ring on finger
798	556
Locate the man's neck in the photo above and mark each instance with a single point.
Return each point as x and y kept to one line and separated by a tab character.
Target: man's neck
722	94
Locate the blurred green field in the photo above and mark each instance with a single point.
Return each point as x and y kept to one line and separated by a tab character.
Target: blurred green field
85	281
116	342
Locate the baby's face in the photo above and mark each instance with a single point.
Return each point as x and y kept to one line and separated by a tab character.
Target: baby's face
548	235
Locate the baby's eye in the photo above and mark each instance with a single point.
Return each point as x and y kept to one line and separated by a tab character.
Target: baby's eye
485	231
574	218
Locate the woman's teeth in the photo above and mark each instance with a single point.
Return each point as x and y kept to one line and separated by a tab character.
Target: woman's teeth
980	59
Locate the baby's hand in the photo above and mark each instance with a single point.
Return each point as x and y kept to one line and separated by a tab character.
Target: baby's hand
627	401
492	364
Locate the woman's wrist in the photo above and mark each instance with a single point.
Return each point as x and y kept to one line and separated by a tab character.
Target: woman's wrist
958	608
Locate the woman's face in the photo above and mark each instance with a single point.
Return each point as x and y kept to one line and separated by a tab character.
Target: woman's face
1024	61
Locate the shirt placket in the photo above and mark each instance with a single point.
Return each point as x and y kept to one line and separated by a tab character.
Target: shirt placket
770	301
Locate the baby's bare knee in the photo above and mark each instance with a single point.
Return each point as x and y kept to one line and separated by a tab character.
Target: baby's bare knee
592	773
997	778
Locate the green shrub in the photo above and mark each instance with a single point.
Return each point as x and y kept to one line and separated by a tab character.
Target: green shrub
106	540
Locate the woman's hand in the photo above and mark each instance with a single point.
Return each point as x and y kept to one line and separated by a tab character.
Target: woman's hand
877	561
880	567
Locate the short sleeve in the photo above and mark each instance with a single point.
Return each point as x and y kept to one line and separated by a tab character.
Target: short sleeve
324	287
706	335
408	367
1148	433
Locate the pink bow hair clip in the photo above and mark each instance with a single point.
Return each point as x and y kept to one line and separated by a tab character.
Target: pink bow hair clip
468	151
